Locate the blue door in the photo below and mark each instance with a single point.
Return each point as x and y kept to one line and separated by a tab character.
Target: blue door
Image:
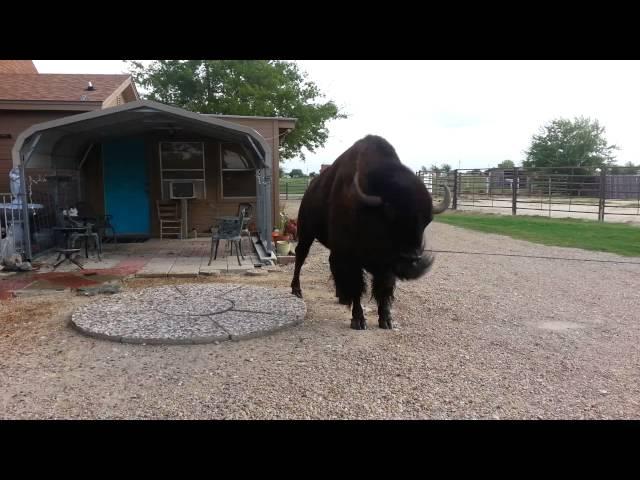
126	186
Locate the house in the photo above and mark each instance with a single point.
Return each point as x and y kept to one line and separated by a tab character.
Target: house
28	97
100	145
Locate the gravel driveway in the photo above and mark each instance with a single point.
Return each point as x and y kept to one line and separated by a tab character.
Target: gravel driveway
479	337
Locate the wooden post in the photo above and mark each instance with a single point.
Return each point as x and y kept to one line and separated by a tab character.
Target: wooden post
603	192
185	225
454	206
514	192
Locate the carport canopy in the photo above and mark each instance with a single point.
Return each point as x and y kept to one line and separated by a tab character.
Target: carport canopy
64	143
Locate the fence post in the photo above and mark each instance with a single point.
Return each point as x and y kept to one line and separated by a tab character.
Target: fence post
603	191
514	192
455	190
286	190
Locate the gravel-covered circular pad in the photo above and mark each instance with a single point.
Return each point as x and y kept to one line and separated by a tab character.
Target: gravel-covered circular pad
189	313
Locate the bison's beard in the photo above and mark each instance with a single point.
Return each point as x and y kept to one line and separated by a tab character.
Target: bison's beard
410	268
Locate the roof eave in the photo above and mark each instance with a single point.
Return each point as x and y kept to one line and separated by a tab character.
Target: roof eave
49	105
249	117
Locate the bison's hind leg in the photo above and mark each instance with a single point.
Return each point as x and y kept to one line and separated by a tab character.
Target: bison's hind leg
350	285
302	250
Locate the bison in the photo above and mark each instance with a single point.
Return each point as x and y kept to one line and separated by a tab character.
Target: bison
370	211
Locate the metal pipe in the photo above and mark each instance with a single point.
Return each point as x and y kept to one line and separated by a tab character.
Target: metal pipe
26	228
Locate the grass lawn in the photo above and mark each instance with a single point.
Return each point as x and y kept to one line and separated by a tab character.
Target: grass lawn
296	185
618	238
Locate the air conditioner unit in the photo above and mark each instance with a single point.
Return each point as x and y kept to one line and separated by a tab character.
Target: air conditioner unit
180	190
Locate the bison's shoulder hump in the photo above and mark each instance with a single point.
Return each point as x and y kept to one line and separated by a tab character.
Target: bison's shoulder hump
378	143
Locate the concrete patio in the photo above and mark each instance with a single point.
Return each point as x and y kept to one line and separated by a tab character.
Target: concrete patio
161	258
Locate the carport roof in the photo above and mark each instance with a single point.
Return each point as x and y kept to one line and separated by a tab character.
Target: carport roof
66	139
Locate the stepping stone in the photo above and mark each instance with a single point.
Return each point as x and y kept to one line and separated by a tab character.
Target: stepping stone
189	313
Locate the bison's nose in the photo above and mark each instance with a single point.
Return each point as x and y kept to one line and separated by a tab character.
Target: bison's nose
417	258
414	257
427	260
413	266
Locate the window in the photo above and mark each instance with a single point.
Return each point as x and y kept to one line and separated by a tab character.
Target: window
182	161
237	172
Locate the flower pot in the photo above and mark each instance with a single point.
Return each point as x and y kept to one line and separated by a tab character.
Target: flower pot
282	248
281	238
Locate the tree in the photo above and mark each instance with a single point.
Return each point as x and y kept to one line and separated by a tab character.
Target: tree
570	143
282	173
296	173
444	168
244	87
312	174
506	164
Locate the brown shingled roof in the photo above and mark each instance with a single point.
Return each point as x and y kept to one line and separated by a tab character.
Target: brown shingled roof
17	66
58	87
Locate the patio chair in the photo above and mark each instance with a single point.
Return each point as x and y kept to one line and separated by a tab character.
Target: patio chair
85	236
101	223
229	230
170	222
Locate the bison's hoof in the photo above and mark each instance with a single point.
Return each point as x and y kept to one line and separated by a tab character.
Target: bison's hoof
385	323
297	292
358	324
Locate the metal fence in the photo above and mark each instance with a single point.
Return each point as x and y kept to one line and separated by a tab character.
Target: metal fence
47	191
293	188
603	194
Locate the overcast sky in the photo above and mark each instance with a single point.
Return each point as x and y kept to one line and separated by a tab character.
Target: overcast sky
470	114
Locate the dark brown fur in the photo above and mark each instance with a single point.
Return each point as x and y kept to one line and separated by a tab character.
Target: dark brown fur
385	240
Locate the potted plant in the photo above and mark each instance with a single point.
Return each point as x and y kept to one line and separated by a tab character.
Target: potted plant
282	234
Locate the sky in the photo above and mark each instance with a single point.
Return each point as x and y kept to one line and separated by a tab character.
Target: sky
469	114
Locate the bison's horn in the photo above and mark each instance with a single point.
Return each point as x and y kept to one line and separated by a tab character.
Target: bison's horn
371	200
442	206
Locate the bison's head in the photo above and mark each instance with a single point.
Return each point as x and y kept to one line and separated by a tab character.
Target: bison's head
393	216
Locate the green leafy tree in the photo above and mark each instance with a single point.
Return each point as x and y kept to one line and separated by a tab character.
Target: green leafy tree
244	87
506	164
570	143
444	168
296	173
312	174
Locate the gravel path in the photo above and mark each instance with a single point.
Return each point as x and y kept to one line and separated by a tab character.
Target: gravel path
479	337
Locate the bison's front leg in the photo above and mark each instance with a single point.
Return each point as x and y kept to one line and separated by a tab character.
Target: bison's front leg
383	287
358	322
349	279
